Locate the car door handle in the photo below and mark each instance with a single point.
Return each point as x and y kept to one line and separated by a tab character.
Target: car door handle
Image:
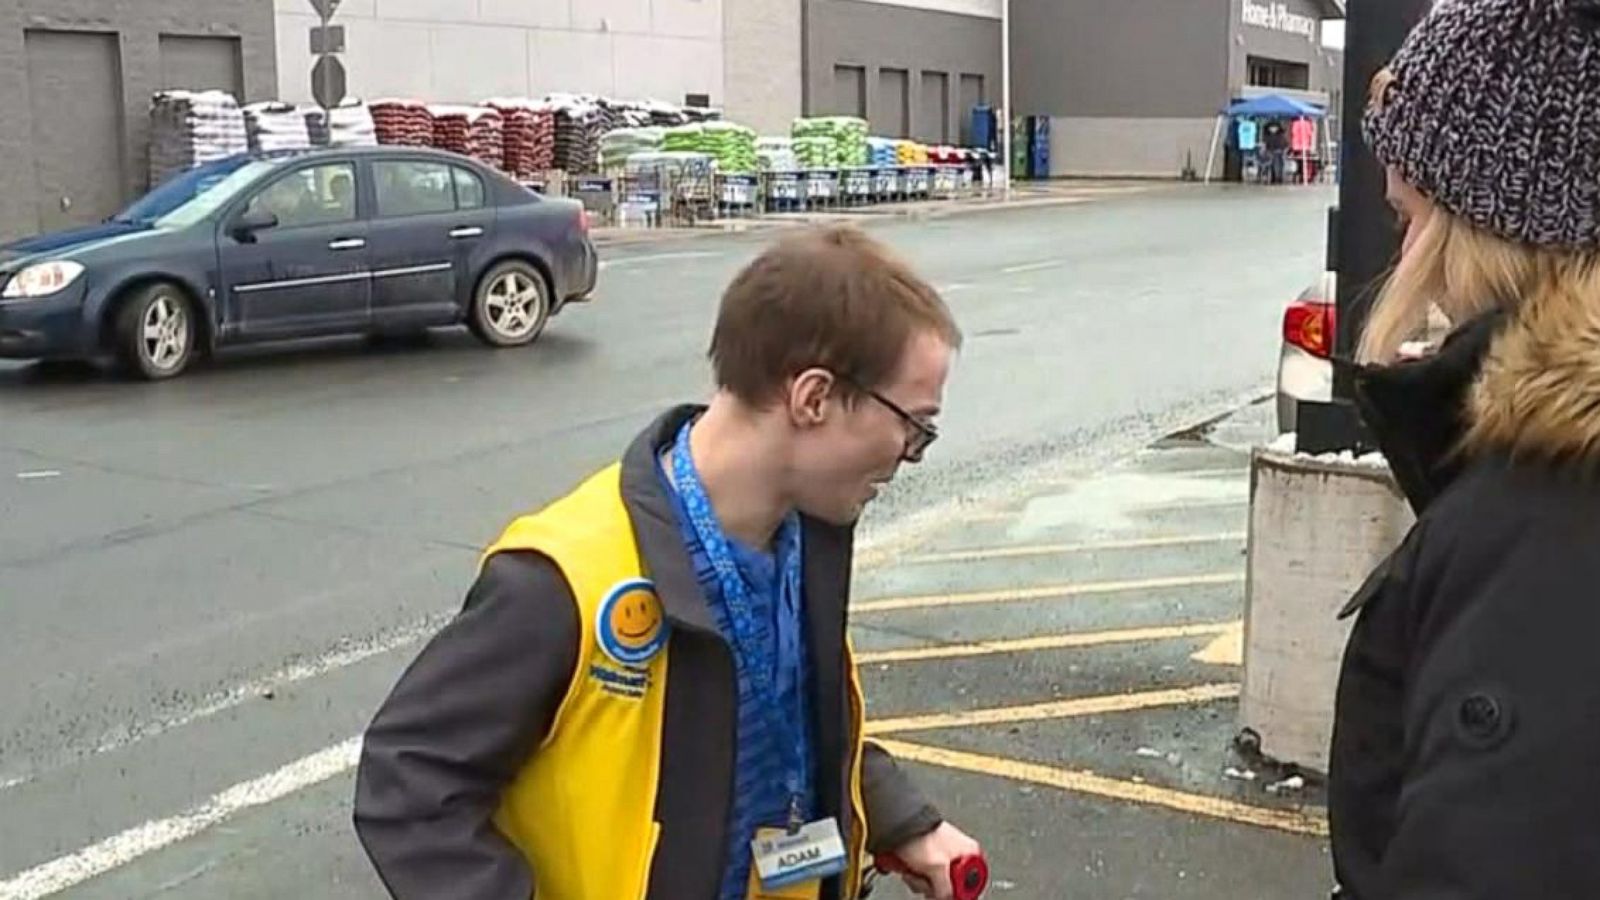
347	244
470	231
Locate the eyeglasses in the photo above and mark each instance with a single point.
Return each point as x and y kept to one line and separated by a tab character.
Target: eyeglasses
919	434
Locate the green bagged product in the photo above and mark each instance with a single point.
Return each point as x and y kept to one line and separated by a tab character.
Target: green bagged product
732	146
616	146
847	134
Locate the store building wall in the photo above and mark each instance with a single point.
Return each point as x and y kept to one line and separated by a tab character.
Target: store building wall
1132	86
911	68
75	88
762	63
451	51
1276	32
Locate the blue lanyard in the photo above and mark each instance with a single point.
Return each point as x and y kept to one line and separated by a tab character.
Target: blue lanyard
787	726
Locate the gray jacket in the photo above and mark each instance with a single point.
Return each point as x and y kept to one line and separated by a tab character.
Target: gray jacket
480	697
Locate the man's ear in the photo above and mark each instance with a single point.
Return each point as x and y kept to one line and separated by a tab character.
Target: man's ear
809	393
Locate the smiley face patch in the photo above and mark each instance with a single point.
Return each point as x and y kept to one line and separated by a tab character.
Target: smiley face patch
631	626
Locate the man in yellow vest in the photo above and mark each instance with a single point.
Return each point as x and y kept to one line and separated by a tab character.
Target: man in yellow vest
650	693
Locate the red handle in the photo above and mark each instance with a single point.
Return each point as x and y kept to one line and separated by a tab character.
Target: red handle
968	874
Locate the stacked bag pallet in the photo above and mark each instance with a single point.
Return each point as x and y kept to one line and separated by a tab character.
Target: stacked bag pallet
815	152
910	153
475	131
350	124
617	146
732	146
847	134
776	154
189	129
580	121
274	126
882	153
530	134
404	123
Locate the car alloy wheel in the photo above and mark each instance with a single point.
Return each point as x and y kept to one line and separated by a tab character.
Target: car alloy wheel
165	334
155	332
515	305
512	305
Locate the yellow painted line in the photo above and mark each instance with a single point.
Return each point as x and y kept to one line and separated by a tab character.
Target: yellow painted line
1047	592
1052	642
1086	782
1027	550
1226	650
1074	708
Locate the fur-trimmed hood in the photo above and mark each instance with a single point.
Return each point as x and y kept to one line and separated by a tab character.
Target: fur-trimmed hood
1537	393
1523	385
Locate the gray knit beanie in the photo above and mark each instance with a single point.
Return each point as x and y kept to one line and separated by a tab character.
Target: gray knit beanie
1494	114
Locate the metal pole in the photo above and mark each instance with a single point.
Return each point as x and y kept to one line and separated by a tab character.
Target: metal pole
1362	245
1005	93
1374	32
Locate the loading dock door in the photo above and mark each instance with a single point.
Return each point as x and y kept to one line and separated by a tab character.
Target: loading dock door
891	113
75	96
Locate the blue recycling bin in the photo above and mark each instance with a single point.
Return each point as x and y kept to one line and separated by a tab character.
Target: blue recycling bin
1039	147
984	128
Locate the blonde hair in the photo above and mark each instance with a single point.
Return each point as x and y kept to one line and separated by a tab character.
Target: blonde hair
1455	267
1462	271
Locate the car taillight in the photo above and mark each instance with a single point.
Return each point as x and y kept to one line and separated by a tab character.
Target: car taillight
1309	326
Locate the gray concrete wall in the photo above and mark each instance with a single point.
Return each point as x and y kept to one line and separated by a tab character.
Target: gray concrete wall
762	63
138	25
1127	59
880	36
464	51
1115	147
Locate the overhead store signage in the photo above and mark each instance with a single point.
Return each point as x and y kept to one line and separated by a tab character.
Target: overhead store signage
1277	17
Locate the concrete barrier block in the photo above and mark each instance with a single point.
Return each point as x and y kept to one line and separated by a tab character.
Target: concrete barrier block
1317	529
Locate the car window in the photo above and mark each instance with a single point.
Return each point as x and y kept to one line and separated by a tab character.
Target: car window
319	195
469	190
410	188
191	196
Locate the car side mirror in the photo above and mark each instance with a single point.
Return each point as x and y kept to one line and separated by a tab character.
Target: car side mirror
254	220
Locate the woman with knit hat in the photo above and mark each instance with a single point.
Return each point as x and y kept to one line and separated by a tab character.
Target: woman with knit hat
1466	750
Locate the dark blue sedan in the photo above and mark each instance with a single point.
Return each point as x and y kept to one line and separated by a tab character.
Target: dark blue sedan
313	243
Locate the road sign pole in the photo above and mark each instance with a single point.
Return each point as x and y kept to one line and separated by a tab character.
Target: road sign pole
327	75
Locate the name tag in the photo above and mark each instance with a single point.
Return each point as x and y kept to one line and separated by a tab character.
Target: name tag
793	865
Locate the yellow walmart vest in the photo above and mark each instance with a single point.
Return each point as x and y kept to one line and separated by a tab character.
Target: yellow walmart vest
581	811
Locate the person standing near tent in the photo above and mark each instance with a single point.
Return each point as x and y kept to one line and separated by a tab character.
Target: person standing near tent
1302	143
1276	141
651	691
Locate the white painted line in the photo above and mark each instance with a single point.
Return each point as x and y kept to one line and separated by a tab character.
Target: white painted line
42	473
114	852
655	257
1033	267
295	673
952	288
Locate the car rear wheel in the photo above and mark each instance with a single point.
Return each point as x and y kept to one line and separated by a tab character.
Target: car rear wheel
511	306
155	332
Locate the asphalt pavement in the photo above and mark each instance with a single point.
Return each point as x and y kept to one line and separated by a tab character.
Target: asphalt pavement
206	586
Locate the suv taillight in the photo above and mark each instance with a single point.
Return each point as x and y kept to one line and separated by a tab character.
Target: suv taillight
1309	326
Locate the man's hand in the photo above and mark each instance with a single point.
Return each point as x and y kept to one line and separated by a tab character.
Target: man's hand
929	858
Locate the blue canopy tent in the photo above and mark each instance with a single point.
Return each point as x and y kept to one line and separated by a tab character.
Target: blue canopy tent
1275	106
1268	106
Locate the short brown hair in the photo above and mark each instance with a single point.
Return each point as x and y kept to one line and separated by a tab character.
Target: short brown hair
831	298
